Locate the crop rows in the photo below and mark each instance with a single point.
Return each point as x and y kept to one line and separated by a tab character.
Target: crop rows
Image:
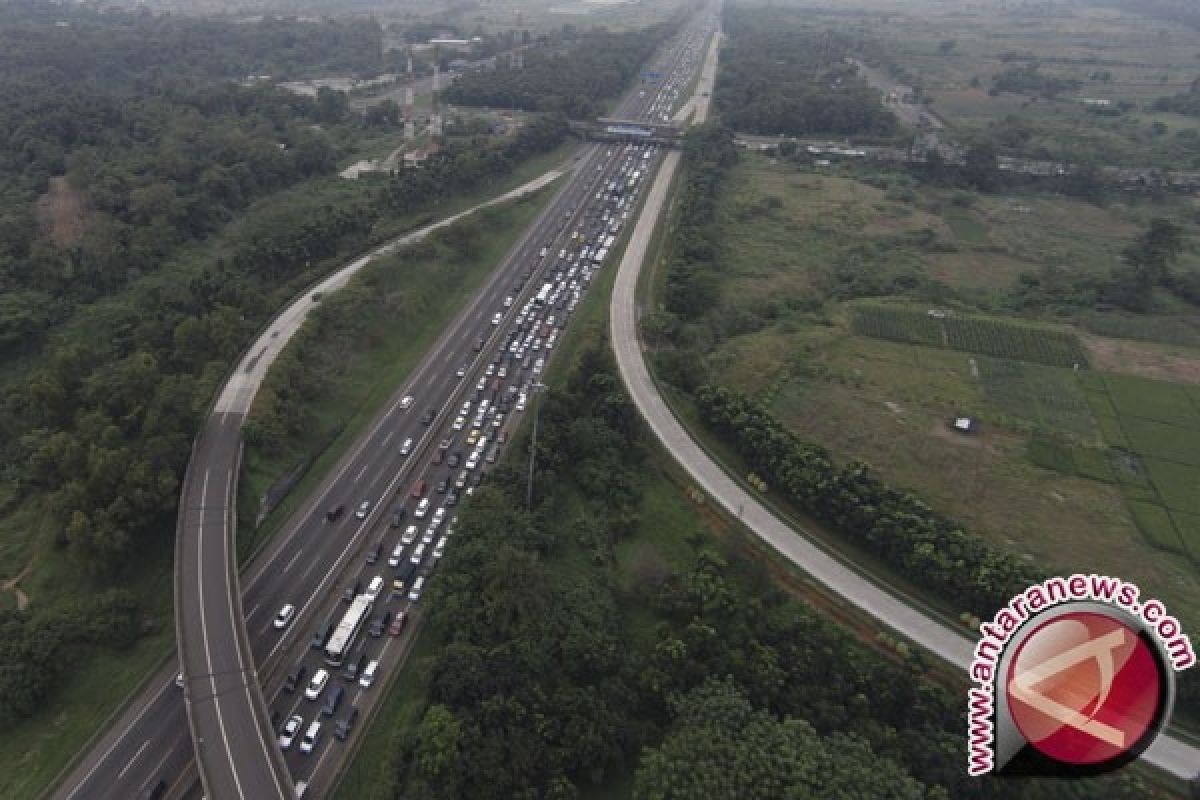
973	335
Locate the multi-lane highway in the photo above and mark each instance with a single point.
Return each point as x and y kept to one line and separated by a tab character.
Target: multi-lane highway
314	557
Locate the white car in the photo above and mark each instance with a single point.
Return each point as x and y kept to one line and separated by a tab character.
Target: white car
461	371
459	422
406	402
410	535
438	517
290	729
311	736
406	446
496	318
422	508
427	538
364	508
417	554
317	684
368	675
415	593
439	549
284	617
508	301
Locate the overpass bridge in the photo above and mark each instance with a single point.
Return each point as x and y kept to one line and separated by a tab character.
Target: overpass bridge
609	129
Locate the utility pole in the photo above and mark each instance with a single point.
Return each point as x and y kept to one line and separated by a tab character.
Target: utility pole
537	412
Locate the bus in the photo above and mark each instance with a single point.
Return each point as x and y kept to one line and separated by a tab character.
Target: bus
347	630
544	293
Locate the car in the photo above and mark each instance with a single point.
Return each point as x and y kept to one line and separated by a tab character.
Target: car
335	512
374	587
497	318
406	402
406	446
414	594
179	679
396	556
439	549
459	423
478	344
352	668
428	416
398	516
352	590
473	460
364	508
332	701
443	485
311	737
290	729
379	625
461	372
367	677
455	459
417	554
374	553
295	678
342	729
418	489
439	516
427	538
317	684
422	508
473	437
301	789
479	387
502	372
321	634
451	499
410	535
508	301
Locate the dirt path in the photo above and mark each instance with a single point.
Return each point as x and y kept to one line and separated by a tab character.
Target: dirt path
10	585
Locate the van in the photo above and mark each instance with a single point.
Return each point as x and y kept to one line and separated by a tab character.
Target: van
373	589
397	554
333	700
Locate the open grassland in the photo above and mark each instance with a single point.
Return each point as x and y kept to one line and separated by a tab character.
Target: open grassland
1071	468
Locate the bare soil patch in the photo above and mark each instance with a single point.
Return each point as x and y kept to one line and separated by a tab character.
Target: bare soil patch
1129	358
61	212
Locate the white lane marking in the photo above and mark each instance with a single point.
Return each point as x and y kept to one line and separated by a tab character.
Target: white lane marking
121	774
212	678
388	438
252	611
293	560
362	472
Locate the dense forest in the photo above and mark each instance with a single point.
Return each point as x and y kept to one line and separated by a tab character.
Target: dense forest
779	77
573	76
117	332
555	672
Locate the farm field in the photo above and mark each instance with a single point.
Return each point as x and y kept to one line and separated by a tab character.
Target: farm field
954	52
1095	467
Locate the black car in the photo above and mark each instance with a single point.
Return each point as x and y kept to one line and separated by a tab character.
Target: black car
374	553
335	512
343	727
379	625
443	485
352	669
295	678
428	416
321	635
398	517
352	591
455	459
451	500
332	700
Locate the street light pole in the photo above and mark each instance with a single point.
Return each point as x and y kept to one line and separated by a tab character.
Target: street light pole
537	412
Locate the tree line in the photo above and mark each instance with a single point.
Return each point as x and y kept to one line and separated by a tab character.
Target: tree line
572	76
778	77
561	666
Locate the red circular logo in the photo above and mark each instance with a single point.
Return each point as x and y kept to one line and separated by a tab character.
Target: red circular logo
1085	688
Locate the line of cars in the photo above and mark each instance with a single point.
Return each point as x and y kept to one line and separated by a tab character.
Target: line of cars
475	435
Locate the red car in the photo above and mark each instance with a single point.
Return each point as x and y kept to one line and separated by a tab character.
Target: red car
398	623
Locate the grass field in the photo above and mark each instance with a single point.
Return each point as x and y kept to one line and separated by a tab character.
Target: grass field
1074	469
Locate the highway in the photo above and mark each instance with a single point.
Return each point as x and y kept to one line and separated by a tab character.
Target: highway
1167	753
311	557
